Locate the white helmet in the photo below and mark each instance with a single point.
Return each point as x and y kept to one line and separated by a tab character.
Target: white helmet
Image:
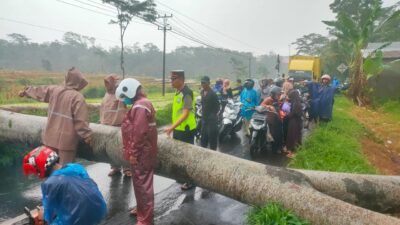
326	76
127	88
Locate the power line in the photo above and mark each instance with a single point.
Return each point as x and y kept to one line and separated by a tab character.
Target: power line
50	28
85	8
98	7
213	29
193	39
200	41
94	11
180	39
189	29
181	33
105	5
176	31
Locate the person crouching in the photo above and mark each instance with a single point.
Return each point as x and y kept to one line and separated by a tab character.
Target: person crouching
70	196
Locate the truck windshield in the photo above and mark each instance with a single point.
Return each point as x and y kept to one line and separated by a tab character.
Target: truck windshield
300	75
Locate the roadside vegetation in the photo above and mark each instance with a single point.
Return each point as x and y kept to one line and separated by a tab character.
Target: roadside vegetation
335	146
389	106
273	214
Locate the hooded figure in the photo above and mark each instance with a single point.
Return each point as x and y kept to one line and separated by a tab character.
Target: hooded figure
67	114
112	112
322	99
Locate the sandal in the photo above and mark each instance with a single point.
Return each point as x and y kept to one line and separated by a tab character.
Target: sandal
114	172
186	186
133	212
127	173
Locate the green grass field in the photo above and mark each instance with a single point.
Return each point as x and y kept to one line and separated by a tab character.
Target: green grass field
335	146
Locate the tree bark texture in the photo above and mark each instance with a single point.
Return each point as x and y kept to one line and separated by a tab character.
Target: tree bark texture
249	182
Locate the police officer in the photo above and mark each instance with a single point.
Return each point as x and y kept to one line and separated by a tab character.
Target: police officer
183	120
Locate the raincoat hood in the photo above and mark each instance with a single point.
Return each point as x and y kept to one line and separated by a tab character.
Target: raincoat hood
111	83
75	80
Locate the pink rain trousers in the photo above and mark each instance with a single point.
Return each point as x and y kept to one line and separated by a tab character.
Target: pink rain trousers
139	135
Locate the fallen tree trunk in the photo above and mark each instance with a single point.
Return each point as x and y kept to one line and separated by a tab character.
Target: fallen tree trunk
243	180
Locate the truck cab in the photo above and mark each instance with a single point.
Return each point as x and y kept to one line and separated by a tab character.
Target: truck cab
304	68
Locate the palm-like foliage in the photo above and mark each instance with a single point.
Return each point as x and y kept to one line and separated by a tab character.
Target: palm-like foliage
355	29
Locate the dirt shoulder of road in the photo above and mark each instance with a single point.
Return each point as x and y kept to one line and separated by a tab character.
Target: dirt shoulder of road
381	143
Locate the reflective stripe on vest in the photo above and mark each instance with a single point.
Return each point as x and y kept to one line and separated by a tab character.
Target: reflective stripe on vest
177	109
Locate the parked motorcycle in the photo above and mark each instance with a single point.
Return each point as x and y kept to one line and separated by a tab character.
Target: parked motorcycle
231	119
260	131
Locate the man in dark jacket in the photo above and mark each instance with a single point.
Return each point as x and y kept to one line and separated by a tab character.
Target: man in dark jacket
210	106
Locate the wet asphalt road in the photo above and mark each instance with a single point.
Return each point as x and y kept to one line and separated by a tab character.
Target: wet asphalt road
173	206
194	207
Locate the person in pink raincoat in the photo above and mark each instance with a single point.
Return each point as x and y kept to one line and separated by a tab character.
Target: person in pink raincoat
139	137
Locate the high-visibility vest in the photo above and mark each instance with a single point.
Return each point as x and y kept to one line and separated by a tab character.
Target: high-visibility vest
177	110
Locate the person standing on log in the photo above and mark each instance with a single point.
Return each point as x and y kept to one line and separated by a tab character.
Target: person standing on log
139	137
112	112
67	114
183	120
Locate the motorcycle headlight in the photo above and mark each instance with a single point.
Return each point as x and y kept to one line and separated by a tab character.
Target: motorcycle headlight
256	124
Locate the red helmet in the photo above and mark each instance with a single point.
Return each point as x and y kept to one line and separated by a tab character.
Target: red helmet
40	161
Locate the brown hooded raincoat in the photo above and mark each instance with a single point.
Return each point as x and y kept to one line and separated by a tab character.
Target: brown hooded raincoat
112	110
67	112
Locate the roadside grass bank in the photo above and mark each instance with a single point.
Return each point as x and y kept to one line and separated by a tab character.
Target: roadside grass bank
390	107
335	146
383	121
273	214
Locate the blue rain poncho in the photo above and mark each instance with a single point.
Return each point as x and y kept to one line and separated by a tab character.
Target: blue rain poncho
322	99
250	99
71	197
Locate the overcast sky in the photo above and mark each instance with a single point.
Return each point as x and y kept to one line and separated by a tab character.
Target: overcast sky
257	26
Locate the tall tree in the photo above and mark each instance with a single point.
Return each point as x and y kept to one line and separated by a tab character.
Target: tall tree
356	22
311	44
19	39
126	10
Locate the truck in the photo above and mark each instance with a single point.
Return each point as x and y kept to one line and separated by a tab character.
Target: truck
304	68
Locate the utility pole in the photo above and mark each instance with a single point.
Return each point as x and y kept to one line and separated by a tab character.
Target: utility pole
165	27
